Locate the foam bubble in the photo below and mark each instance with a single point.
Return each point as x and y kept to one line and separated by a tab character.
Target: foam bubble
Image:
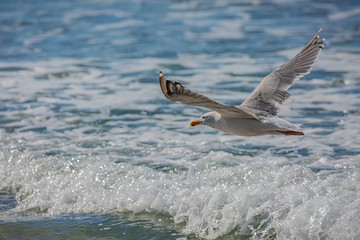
251	194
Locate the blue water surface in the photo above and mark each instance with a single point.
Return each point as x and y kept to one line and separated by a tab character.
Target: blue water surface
91	149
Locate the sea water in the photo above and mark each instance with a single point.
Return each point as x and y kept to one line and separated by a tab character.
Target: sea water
91	149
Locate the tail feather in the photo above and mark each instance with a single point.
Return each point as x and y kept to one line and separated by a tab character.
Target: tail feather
291	132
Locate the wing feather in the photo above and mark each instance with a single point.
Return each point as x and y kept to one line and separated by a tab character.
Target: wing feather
176	92
273	88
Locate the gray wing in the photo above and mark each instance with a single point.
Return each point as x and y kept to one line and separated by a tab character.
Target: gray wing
273	88
175	91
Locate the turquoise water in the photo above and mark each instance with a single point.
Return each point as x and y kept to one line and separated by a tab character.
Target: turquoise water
91	149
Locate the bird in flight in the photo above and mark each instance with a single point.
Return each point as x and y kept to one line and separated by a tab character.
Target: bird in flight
257	115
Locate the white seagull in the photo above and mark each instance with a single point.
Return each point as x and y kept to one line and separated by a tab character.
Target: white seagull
256	116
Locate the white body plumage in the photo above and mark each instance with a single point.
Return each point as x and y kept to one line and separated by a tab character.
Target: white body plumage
249	126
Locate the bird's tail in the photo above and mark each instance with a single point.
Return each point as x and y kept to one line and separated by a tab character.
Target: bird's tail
291	132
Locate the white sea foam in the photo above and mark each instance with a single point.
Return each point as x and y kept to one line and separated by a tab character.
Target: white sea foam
76	14
225	30
40	37
119	25
345	14
259	193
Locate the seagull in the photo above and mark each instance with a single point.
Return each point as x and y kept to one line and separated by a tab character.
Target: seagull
257	115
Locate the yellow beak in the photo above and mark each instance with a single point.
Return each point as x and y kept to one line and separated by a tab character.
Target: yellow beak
194	123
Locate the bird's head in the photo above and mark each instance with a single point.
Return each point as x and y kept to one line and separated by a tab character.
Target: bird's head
207	119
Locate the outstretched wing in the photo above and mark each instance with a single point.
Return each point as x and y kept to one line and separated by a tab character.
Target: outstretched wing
273	88
176	92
